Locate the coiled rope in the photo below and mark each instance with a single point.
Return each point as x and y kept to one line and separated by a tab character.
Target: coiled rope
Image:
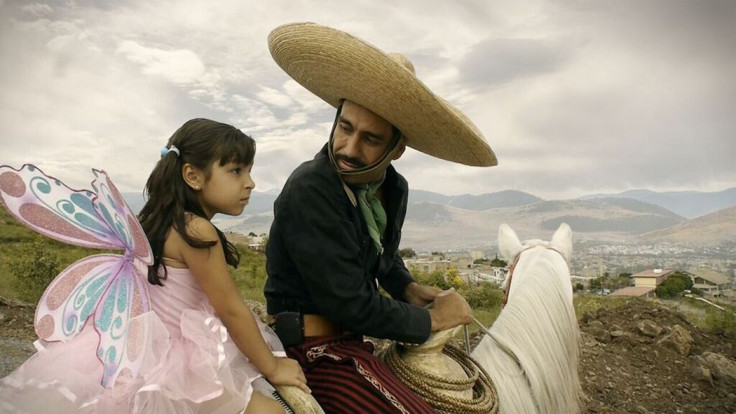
428	385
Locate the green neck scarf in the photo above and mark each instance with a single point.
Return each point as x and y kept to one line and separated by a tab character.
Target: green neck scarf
373	212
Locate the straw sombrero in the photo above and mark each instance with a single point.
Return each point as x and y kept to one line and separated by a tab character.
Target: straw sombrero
335	65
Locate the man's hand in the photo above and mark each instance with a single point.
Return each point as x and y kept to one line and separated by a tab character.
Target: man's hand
449	310
420	295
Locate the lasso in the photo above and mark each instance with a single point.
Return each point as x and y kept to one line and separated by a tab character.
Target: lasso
429	386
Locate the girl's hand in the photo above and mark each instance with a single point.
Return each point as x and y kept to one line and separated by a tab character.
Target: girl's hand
288	372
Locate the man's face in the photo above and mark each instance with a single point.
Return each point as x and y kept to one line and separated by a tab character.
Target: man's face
361	137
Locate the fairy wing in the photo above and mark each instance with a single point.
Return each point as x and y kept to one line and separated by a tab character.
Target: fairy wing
110	287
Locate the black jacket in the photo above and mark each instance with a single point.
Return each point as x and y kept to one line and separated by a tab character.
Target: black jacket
320	258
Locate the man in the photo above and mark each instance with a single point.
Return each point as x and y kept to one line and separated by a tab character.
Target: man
337	222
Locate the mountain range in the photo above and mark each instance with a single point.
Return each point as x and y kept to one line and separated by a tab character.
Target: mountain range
439	222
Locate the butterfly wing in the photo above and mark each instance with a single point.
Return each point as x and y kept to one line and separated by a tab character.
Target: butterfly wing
111	289
111	208
49	207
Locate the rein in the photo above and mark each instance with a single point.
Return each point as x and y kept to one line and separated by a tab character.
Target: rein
514	262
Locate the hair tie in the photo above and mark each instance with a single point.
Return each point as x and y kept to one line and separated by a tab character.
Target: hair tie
165	151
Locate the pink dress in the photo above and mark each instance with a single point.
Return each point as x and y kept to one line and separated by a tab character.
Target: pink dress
190	365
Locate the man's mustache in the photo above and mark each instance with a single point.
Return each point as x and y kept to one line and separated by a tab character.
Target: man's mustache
354	161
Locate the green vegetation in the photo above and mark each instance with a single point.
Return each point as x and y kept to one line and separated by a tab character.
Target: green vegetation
407	252
608	282
484	298
29	261
721	322
591	303
250	275
674	285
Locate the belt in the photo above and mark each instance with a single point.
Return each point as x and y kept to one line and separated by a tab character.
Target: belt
318	325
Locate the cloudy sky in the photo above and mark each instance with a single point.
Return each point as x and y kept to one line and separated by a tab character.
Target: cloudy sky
574	96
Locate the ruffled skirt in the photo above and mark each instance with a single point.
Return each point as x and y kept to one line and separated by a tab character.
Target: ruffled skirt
192	368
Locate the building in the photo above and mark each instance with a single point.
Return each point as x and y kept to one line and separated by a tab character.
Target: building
642	291
710	282
427	265
645	283
651	278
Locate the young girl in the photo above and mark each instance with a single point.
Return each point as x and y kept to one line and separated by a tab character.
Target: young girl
205	351
205	170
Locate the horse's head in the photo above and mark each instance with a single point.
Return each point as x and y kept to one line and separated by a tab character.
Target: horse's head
510	246
511	249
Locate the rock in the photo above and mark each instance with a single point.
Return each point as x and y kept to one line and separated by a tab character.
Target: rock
719	366
618	333
600	335
679	340
699	369
647	327
596	324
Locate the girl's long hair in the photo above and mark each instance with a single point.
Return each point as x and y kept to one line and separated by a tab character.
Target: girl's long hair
201	142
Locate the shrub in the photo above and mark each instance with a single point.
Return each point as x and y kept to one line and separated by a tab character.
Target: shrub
34	270
435	278
482	296
721	322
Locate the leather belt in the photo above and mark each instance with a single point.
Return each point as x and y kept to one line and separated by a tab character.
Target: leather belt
318	325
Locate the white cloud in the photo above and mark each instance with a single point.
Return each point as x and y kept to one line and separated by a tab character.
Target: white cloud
180	66
274	97
35	9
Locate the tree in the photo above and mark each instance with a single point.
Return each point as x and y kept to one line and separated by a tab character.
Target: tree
596	283
407	252
496	262
674	285
579	287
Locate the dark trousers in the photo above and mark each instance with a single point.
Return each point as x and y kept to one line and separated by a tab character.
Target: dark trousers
345	377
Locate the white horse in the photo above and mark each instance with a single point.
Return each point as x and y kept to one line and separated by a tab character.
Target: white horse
531	350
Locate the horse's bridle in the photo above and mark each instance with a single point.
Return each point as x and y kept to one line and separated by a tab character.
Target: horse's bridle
514	262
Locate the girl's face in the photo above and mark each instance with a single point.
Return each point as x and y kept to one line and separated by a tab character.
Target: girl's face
227	191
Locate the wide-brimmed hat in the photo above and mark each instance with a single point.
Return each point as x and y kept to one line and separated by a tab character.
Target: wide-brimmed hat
335	65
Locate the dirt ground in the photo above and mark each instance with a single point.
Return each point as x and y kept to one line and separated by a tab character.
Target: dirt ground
622	370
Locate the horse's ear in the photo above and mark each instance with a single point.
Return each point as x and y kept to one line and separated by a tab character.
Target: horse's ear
508	242
562	240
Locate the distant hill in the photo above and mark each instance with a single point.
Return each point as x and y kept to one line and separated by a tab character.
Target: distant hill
710	229
689	204
507	198
436	226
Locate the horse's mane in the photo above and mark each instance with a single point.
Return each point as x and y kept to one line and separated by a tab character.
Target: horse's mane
538	328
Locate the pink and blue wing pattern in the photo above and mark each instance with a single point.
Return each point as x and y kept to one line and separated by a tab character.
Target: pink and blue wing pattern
49	207
109	288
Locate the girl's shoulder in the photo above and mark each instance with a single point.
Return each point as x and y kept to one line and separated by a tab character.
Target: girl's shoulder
200	228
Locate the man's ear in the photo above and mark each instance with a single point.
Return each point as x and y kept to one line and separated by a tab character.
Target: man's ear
193	176
400	148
